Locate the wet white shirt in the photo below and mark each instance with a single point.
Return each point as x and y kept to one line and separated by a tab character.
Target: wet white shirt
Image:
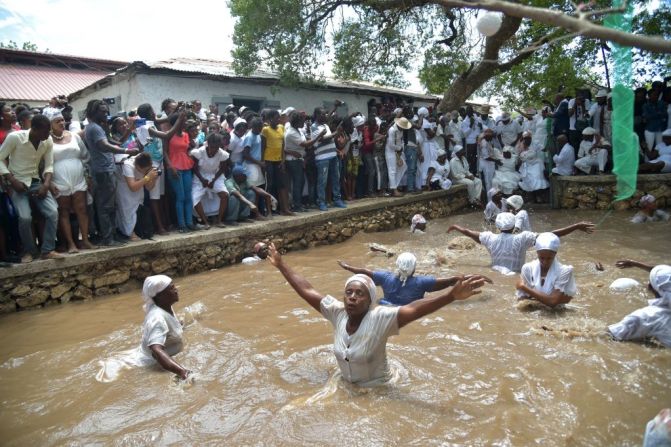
559	277
650	321
657	216
362	356
508	250
522	221
161	328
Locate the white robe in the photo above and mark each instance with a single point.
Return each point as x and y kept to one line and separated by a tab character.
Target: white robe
559	277
394	145
127	201
650	321
508	251
506	177
532	170
564	161
459	171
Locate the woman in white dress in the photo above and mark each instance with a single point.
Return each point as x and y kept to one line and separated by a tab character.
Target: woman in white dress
70	182
546	280
430	150
438	176
532	170
361	327
495	205
506	177
137	173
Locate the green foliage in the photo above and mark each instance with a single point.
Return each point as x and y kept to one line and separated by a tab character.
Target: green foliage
27	46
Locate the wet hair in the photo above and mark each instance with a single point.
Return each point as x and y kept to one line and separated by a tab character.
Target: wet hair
143	160
165	102
144	110
215	140
92	107
40	122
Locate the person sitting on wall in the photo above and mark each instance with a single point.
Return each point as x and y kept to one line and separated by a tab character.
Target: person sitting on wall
438	175
659	162
403	286
593	152
648	211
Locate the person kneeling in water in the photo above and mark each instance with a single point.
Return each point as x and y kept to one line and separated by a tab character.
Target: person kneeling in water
546	280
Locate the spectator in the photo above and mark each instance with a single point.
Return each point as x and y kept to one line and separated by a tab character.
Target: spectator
566	157
488	157
209	179
273	157
396	165
560	124
295	144
593	152
242	199
236	146
532	170
453	133
328	166
461	175
508	131
25	149
471	127
578	118
654	114
103	169
368	153
178	166
137	174
597	112
380	158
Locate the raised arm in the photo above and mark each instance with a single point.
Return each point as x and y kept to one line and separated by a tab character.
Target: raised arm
356	270
442	283
301	285
173	130
475	235
627	263
419	308
587	227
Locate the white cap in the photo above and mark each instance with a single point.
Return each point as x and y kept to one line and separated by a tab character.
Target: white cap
242	109
515	201
505	116
601	94
588	131
423	111
666	133
287	111
397	110
239	121
441	153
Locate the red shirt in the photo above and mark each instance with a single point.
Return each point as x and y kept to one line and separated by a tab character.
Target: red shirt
368	145
178	152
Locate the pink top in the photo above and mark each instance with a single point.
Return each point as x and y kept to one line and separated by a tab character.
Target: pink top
178	152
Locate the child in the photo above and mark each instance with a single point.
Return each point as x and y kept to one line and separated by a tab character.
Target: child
209	177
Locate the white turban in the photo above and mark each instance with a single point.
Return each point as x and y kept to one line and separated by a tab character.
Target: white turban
423	111
547	241
416	219
666	133
441	153
239	121
405	263
505	221
153	285
660	280
588	131
492	192
647	199
397	110
456	149
515	201
368	283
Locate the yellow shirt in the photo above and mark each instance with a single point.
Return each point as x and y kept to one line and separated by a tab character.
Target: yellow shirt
274	141
24	160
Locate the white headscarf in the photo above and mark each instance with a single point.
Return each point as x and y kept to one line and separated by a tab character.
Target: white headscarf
547	241
405	264
516	201
505	221
660	280
416	219
368	283
647	200
153	285
492	192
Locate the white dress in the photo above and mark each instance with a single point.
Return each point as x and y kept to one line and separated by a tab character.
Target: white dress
522	221
362	356
508	251
487	167
559	277
69	162
394	145
441	174
650	321
429	152
208	168
540	131
127	201
532	170
491	210
506	176
459	171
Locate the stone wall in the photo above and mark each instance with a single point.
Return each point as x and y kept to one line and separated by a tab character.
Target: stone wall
598	191
91	274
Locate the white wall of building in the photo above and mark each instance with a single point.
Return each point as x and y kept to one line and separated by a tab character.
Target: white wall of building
153	88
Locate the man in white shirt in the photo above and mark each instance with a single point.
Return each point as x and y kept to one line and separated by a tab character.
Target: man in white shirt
453	133
471	128
565	160
488	158
593	151
25	149
597	112
393	152
508	131
459	171
664	148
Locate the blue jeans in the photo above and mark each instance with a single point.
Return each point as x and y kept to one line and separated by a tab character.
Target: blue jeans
104	199
324	168
48	208
181	185
411	161
236	209
297	176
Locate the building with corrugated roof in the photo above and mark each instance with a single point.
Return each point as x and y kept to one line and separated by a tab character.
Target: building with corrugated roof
215	82
34	78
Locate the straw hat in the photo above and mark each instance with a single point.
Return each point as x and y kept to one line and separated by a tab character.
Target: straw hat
403	123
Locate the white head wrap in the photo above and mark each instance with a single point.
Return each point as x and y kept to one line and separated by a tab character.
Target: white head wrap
647	199
397	110
547	241
505	221
515	201
423	111
287	111
368	283
588	131
239	121
601	94
441	153
666	133
660	280
492	192
456	149
153	285
505	116
416	219
405	264
358	121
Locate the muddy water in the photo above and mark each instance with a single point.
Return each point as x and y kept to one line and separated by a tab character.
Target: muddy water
479	372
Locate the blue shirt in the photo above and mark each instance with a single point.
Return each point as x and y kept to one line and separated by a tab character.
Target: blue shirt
100	161
253	142
394	293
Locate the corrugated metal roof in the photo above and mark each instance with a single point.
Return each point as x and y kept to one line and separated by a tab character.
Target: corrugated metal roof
221	68
34	83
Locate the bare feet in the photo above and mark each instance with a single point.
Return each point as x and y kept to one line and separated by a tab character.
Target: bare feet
72	249
287	213
26	259
134	238
52	255
87	245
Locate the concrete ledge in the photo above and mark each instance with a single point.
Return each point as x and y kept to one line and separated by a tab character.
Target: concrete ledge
104	271
599	191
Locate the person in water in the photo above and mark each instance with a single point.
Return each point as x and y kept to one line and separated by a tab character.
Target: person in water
508	250
545	279
161	331
361	328
495	205
653	320
649	211
403	286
